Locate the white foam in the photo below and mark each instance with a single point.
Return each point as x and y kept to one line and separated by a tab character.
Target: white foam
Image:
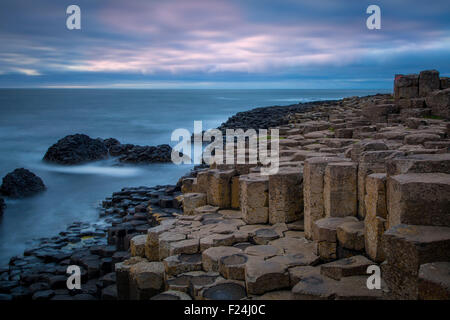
91	169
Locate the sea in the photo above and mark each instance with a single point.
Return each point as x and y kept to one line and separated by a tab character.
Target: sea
31	120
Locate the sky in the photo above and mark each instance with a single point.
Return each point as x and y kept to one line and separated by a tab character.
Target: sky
229	44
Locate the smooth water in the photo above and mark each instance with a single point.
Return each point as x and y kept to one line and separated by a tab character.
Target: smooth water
31	120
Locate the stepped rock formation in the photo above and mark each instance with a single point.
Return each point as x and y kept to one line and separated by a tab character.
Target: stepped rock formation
362	182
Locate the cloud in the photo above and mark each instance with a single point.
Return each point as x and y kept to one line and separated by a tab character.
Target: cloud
230	40
28	72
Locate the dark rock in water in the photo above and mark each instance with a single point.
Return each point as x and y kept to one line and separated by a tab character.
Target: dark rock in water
2	205
78	148
120	149
21	183
111	142
140	154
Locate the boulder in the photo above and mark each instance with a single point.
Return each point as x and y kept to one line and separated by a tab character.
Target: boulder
75	149
21	183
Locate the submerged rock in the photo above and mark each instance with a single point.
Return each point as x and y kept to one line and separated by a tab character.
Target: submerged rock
77	148
21	183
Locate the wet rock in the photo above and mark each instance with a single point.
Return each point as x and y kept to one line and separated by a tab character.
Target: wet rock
75	149
21	183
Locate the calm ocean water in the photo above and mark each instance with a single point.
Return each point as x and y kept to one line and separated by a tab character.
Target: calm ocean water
32	119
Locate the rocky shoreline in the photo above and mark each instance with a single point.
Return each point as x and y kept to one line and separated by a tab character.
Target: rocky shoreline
362	182
40	274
